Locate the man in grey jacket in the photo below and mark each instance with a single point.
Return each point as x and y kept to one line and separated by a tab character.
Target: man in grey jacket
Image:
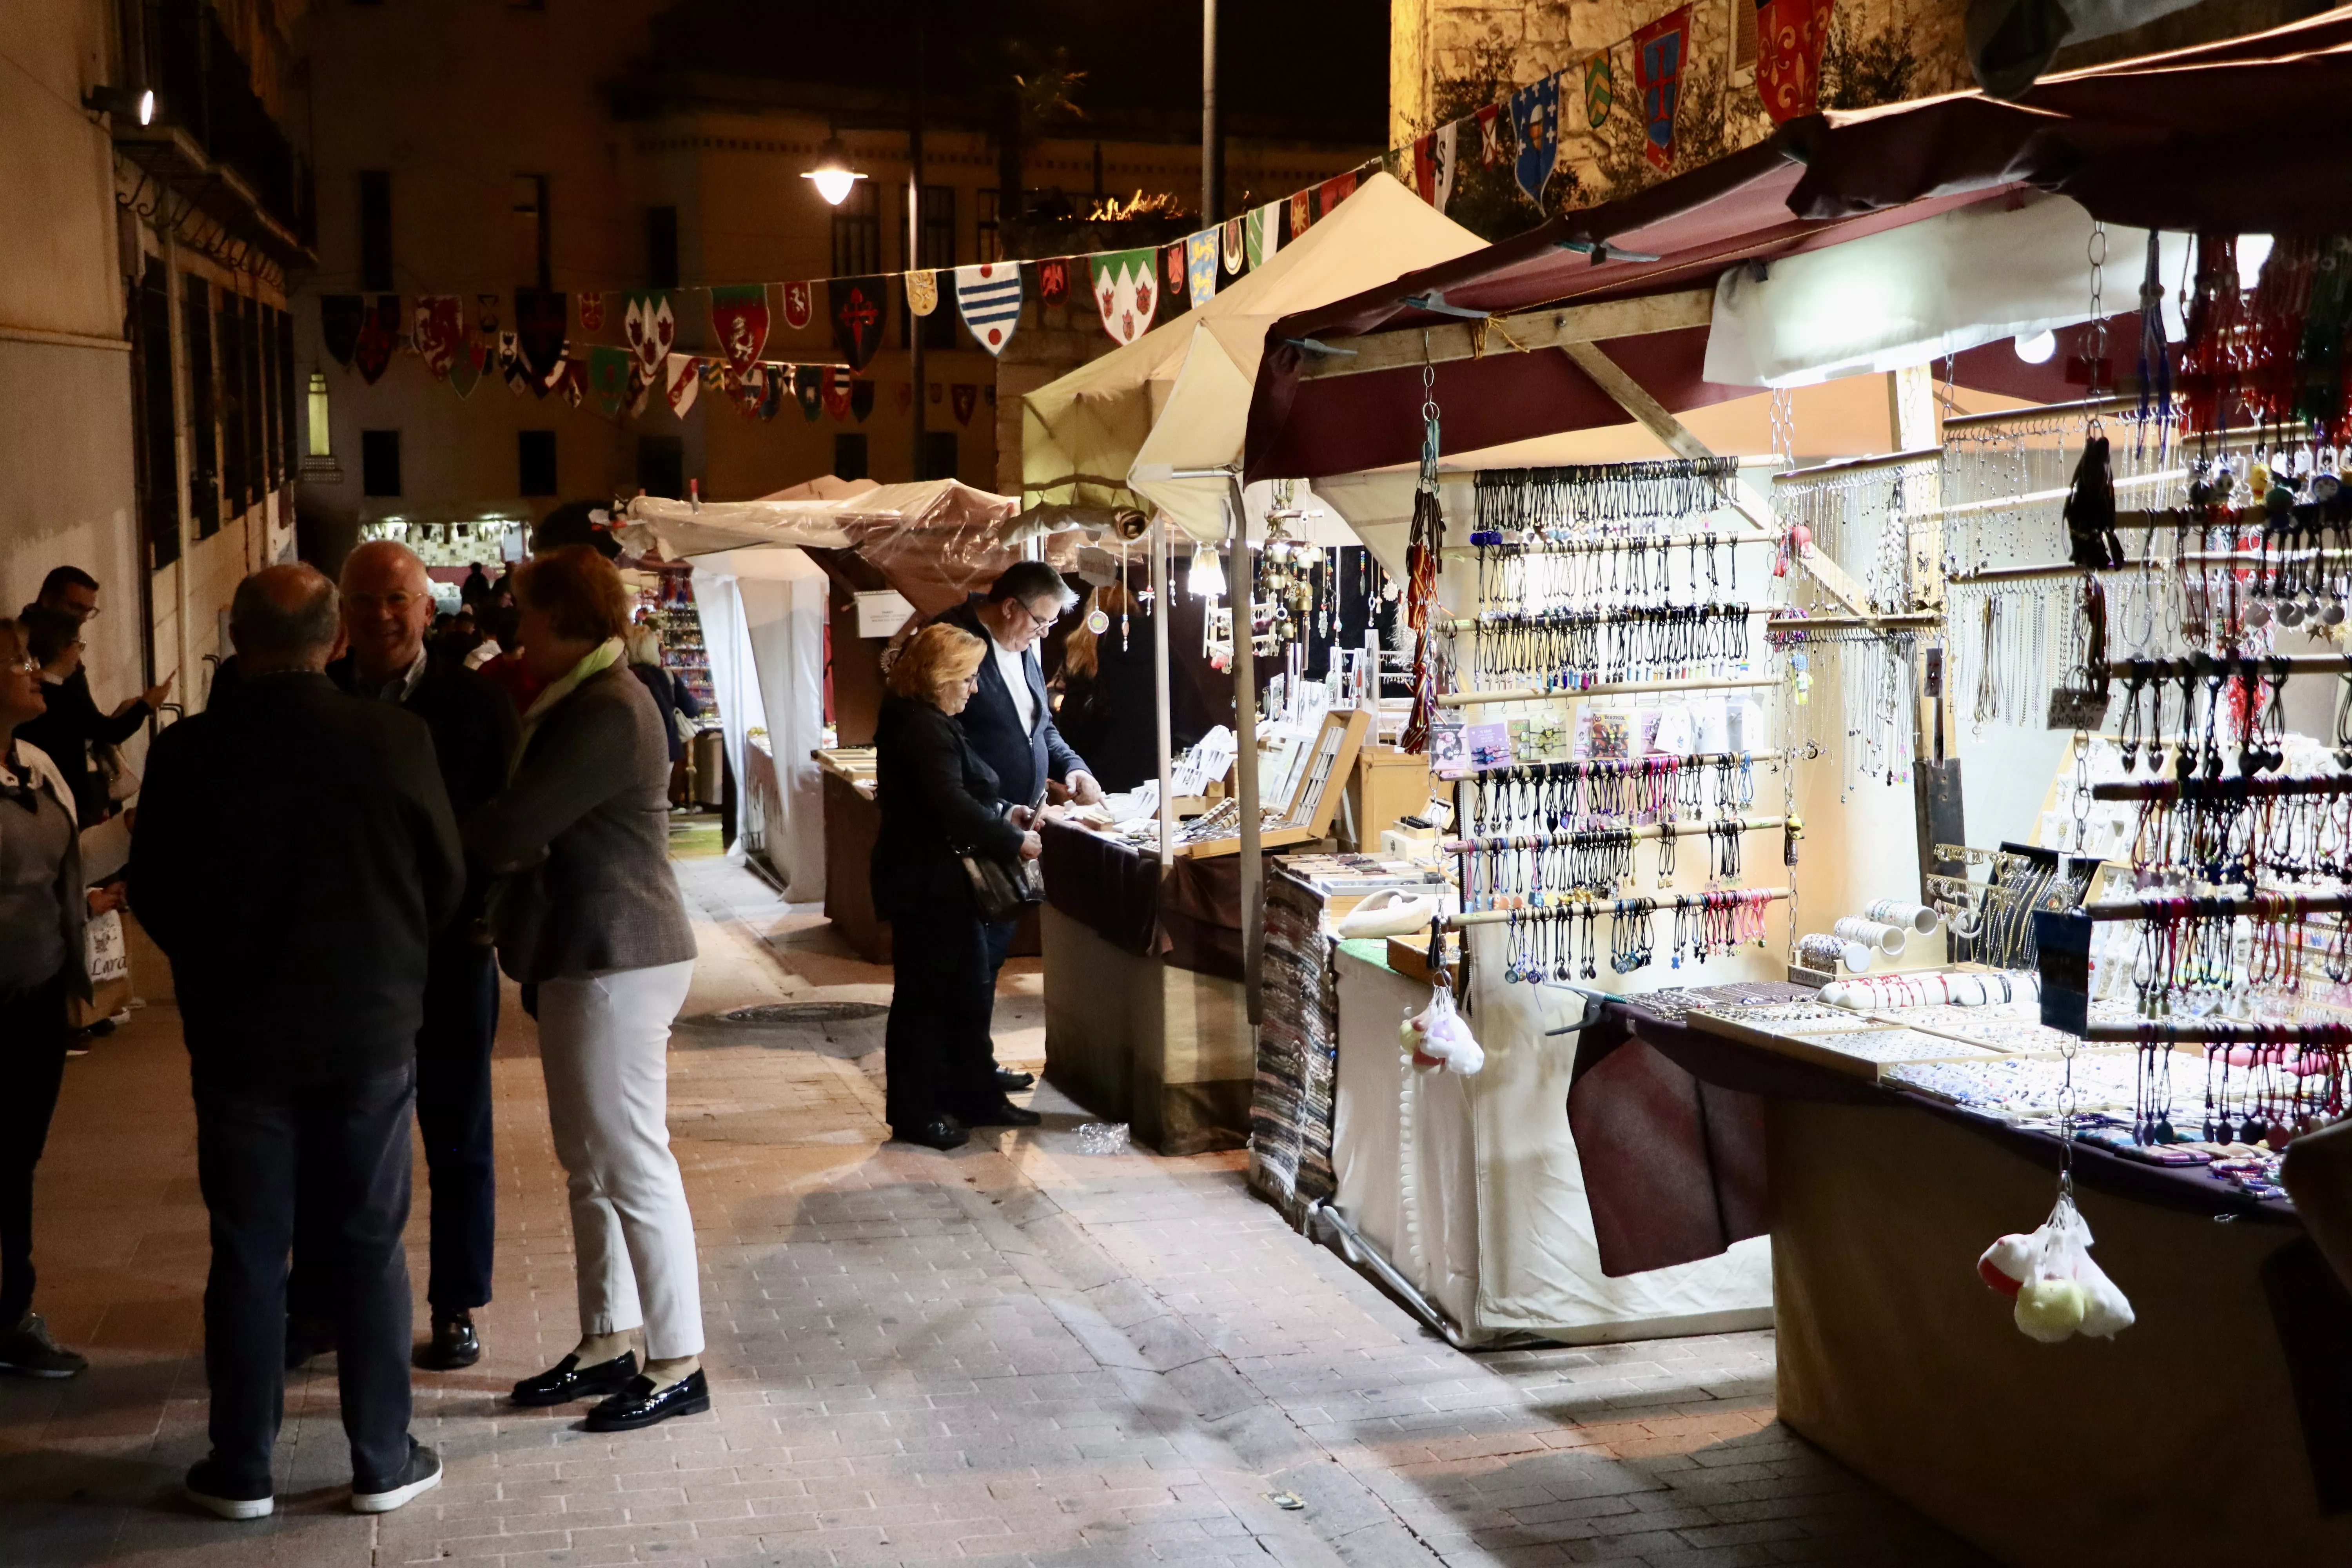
295	858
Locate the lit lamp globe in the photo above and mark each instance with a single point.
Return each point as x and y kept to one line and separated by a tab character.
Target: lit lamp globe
834	176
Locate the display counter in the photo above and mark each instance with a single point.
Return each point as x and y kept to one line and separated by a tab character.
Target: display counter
2222	1415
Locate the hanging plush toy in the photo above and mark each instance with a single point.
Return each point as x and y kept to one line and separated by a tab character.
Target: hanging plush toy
1437	1037
2059	1291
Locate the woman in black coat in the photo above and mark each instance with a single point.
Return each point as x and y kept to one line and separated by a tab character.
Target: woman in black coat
939	802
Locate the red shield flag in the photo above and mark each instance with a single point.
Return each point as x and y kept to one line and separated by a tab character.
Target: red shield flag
1490	135
681	380
739	320
438	333
1334	191
1790	34
902	393
1053	280
378	337
967	397
799	307
1302	213
591	312
837	392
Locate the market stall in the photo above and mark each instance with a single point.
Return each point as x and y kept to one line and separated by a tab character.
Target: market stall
2157	1005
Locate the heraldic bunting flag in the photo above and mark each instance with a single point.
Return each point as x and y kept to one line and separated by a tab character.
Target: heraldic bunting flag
540	318
808	391
1054	279
1124	292
739	320
1174	292
341	317
439	333
1535	122
1201	265
379	335
1790	34
988	297
798	309
608	377
651	327
682	383
1432	166
923	292
859	305
1262	235
1658	51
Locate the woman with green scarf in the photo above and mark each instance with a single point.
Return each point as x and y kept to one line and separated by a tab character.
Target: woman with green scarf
587	910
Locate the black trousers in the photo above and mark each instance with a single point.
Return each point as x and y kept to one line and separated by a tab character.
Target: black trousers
937	1057
32	1065
452	1116
1000	942
345	1147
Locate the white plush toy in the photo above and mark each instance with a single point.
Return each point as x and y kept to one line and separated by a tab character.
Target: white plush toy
1436	1037
2059	1291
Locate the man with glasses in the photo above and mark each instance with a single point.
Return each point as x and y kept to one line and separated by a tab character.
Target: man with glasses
74	728
387	605
1008	721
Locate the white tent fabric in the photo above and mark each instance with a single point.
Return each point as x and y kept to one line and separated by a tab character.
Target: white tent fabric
1182	390
764	619
1911	295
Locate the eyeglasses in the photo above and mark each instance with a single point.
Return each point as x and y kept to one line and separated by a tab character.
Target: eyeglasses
25	665
1041	623
394	602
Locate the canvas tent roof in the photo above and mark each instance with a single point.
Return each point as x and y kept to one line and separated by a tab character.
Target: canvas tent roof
933	541
1184	386
2160	141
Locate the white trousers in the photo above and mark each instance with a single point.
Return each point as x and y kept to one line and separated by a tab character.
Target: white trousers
604	1045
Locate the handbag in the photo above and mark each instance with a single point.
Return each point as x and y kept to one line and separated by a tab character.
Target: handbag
685	726
999	891
122	782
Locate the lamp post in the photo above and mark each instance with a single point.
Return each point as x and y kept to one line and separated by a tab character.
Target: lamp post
917	325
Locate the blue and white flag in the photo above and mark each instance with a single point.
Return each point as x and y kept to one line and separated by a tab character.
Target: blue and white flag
1201	265
1535	119
988	297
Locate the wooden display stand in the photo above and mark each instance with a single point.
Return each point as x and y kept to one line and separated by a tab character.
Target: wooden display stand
1315	800
1386	785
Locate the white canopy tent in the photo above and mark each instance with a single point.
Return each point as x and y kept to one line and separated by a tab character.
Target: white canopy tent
763	617
1178	398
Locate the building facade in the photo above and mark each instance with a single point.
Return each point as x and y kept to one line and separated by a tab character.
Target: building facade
144	343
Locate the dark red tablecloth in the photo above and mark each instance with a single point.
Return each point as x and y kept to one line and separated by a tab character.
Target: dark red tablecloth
1190	919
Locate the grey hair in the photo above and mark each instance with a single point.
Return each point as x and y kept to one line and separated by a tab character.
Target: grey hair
284	610
1028	580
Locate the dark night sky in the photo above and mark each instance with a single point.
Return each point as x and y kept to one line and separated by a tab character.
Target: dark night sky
1314	68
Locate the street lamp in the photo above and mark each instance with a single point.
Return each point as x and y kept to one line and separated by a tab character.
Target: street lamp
833	175
122	102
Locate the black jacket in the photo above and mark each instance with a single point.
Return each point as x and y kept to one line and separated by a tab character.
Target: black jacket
939	801
67	731
670	696
474	727
1022	761
295	858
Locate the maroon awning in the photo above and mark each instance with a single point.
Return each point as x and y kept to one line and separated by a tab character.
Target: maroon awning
2249	135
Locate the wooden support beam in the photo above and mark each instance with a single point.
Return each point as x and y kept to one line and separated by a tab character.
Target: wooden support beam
1555	327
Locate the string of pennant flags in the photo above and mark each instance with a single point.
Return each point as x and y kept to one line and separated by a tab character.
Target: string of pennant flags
1131	289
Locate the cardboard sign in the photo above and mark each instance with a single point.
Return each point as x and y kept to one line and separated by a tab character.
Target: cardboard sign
881	612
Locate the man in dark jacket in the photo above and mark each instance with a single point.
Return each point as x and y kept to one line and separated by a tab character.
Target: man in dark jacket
1008	719
299	917
74	725
387	598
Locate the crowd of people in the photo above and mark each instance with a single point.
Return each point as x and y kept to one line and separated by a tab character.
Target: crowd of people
338	856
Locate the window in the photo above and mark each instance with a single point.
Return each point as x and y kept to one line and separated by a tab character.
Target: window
256	408
661	248
267	472
196	339
535	461
380	462
1743	36
858	232
661	466
286	439
938	455
159	457
849	457
940	251
375	228
320	447
991	239
236	410
531	230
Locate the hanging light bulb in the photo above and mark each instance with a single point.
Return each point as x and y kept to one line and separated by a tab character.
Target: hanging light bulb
1208	578
833	175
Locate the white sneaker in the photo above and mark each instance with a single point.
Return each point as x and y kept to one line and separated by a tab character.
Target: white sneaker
420	1474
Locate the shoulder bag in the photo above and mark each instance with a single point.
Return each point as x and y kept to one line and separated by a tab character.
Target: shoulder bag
999	891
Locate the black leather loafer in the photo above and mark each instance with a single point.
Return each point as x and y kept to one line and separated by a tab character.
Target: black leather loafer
454	1344
567	1379
1012	1082
639	1406
940	1133
1005	1113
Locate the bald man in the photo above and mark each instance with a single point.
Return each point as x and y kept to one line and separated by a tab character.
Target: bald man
296	860
388	609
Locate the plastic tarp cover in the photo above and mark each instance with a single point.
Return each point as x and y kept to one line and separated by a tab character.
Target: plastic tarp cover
763	617
1472	1188
1911	295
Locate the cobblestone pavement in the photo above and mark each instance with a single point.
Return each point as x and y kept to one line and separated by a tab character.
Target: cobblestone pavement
1011	1354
